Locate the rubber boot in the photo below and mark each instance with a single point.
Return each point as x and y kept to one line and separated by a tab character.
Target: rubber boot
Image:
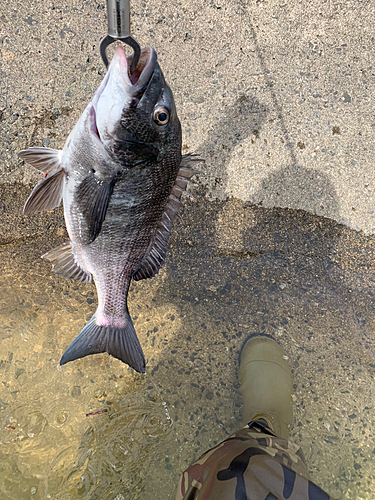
266	385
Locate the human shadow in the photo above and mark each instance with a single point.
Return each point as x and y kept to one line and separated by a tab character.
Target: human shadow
298	187
240	120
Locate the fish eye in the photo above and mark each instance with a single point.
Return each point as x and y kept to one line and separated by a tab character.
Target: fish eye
161	115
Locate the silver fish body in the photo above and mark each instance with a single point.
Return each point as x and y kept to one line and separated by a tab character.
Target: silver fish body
120	176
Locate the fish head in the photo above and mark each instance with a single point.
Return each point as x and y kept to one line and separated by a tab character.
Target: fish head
133	115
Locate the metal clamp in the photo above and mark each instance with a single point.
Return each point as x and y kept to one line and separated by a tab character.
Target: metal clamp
119	29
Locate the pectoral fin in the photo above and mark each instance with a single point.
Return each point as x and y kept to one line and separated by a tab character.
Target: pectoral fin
93	196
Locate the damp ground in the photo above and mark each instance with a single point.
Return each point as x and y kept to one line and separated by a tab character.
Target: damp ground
94	429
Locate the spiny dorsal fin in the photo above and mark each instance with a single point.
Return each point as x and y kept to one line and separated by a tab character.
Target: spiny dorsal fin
189	158
93	196
64	263
43	159
47	194
155	255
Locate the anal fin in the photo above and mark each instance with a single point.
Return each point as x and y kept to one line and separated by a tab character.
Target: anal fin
64	264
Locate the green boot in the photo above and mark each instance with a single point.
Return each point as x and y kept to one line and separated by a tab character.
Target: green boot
266	385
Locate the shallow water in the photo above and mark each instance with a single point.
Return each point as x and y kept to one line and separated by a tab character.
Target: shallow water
232	270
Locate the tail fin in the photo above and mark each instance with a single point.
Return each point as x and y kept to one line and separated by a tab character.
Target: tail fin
121	343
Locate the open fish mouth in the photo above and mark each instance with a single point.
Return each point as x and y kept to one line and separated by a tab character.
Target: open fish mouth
119	70
144	69
119	90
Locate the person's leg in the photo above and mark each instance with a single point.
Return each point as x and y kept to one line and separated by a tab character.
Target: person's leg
255	463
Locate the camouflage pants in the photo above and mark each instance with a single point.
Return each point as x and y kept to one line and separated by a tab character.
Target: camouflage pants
253	464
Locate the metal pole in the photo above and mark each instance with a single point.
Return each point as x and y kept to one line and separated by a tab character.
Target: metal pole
118	18
119	29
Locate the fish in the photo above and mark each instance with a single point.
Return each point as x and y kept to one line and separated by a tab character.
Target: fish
120	176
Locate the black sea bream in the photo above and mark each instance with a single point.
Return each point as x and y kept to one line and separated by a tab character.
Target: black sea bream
120	176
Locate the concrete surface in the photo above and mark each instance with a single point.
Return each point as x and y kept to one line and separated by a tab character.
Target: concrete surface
277	96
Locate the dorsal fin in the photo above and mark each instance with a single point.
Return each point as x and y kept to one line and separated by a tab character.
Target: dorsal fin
64	263
155	255
189	159
43	159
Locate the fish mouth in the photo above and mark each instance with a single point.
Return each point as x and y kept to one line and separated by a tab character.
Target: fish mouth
119	69
144	70
120	88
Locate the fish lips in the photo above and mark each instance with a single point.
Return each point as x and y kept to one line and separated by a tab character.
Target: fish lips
119	90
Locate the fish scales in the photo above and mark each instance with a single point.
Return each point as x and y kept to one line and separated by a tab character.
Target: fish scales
120	176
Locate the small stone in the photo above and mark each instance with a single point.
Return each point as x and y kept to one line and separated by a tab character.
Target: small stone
76	391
